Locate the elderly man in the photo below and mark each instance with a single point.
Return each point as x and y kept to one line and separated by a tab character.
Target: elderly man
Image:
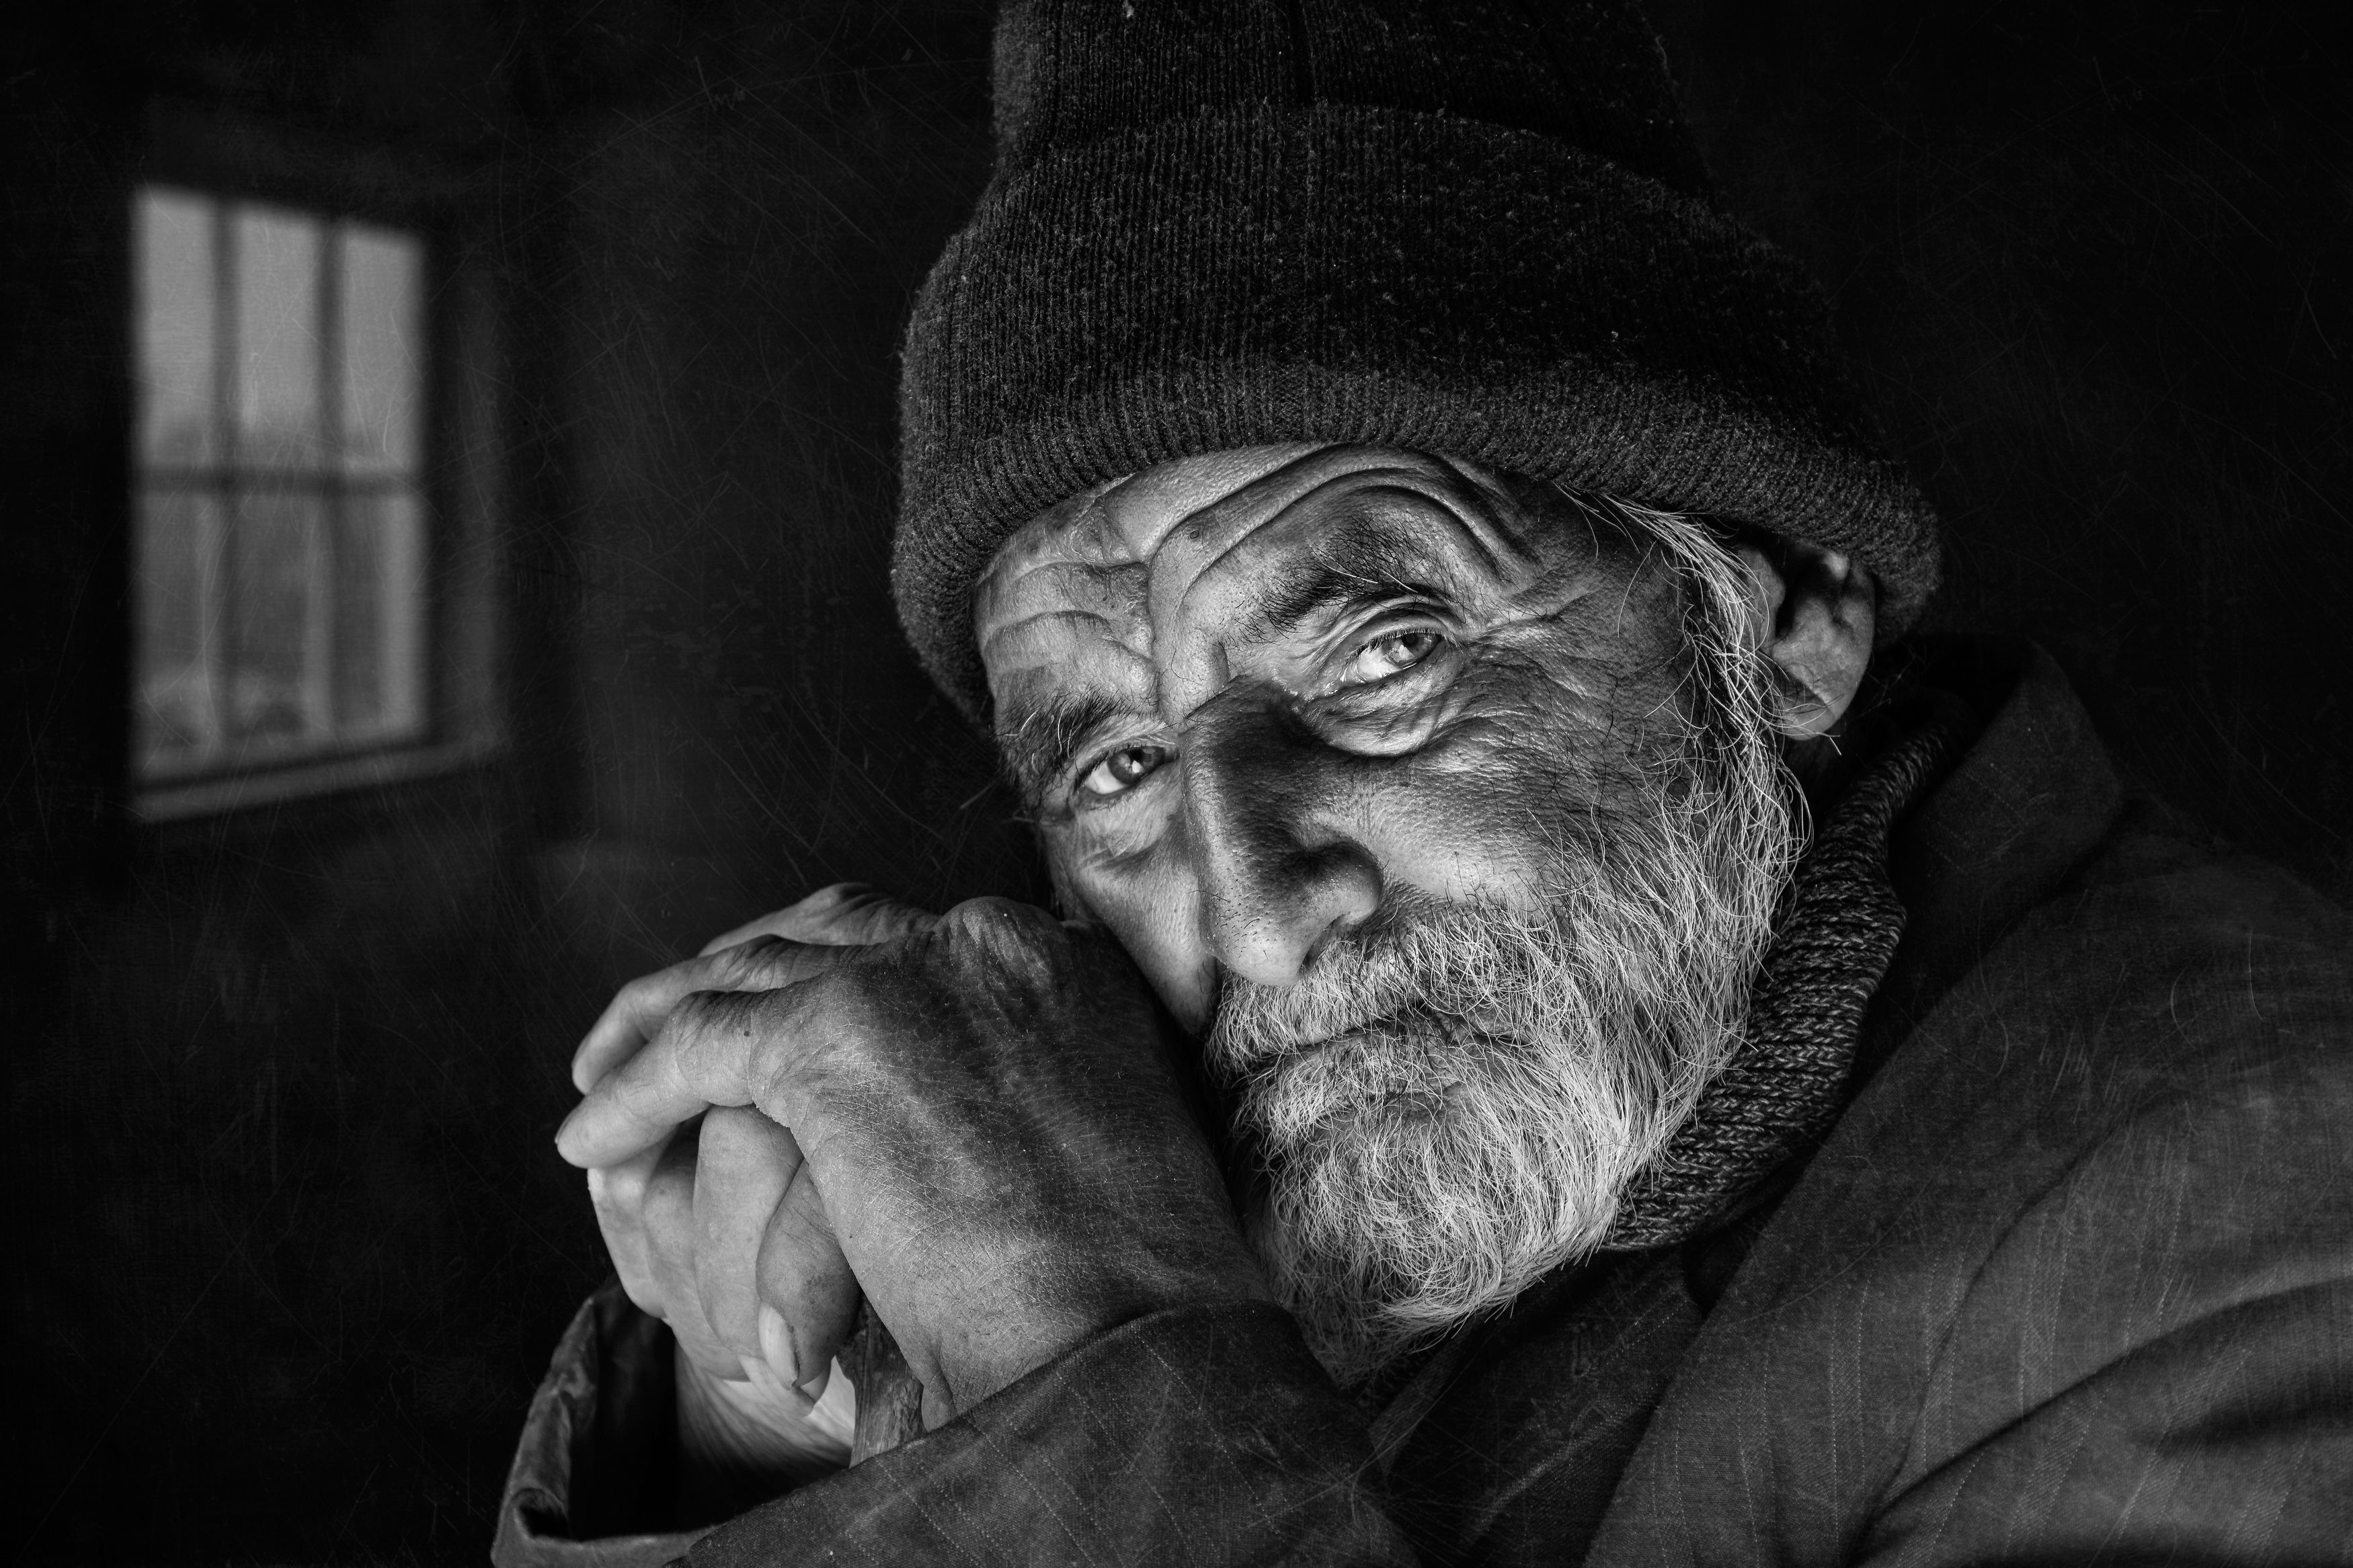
1568	1038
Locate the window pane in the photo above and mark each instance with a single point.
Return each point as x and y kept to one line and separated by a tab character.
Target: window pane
173	239
277	643
380	616
278	349
176	562
281	535
383	349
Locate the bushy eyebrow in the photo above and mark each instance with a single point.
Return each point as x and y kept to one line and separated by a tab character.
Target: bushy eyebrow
1035	741
1303	588
1357	562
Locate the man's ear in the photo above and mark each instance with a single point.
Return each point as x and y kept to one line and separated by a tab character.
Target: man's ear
1816	611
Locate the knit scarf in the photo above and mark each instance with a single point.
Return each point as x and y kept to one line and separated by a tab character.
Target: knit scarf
1830	948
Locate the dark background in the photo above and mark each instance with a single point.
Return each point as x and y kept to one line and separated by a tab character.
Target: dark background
287	1245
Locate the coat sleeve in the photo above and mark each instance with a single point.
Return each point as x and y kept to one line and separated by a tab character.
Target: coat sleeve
1203	1435
593	1480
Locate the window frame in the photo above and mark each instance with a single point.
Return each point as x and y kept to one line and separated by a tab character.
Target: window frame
229	160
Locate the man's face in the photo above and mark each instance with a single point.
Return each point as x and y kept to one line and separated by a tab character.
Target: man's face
1412	791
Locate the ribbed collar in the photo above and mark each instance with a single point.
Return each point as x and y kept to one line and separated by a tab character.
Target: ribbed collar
1783	1088
1836	936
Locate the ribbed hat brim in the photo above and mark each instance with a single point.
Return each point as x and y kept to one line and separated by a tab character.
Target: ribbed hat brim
1345	274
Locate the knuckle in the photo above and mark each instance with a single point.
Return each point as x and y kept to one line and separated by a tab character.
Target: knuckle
748	966
834	896
718	1039
847	1011
998	921
980	911
1002	941
723	970
814	915
697	1013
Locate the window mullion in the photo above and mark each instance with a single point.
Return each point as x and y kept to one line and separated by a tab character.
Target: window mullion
218	528
319	630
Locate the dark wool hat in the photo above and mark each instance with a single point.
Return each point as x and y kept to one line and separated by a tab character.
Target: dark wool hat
1472	227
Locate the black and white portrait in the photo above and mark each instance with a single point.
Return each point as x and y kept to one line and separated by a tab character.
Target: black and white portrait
988	782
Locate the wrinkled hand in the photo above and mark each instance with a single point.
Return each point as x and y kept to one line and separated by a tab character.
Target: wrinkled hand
710	1229
990	1130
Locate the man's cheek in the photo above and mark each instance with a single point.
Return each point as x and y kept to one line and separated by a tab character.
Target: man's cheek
1478	816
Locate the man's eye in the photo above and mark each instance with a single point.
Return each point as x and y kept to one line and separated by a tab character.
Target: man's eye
1387	656
1123	770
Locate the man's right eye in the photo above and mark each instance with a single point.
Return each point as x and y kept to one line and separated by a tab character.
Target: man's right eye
1123	770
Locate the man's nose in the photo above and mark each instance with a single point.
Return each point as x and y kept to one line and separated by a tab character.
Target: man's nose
1280	873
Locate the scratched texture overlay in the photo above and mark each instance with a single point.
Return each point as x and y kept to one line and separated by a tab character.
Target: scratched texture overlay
287	1245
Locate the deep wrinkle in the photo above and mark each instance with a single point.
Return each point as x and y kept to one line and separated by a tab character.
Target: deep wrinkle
1362	590
1461	774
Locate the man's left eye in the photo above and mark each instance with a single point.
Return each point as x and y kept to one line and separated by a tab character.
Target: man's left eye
1386	656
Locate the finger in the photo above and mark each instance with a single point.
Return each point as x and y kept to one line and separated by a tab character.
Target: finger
776	950
637	1012
712	1050
843	915
808	1298
617	1193
745	1163
671	1239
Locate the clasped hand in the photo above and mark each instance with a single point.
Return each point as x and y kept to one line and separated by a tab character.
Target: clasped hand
973	1119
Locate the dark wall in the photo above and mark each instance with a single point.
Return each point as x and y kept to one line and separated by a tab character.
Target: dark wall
289	1246
2095	262
739	248
289	1243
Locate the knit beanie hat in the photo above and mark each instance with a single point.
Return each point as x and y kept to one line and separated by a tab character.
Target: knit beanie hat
1471	227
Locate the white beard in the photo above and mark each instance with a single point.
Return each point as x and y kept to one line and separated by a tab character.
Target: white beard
1450	1103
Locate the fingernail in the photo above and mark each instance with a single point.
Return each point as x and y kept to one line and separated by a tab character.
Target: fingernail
815	1385
776	1342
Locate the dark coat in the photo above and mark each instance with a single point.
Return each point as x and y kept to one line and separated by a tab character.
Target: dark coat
2071	1281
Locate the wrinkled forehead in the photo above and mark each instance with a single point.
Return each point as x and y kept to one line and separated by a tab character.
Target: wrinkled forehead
1125	522
1092	587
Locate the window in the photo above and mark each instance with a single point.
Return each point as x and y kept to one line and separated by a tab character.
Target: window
282	527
